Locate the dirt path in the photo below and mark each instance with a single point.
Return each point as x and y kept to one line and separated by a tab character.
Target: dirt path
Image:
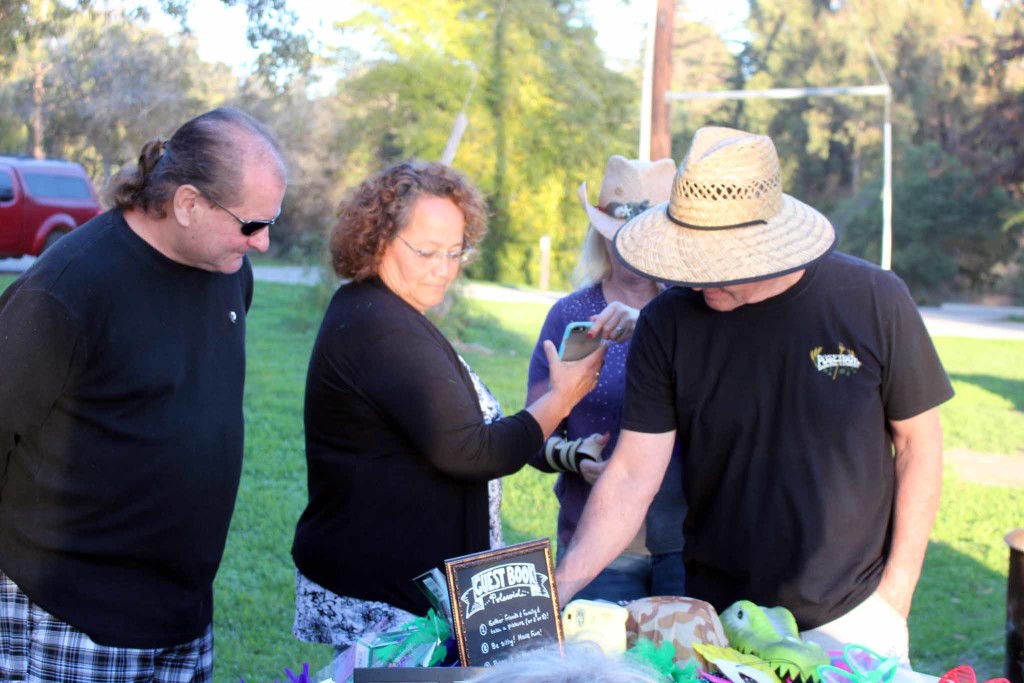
993	469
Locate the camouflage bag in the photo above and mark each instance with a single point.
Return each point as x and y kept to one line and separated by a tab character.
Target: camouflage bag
680	621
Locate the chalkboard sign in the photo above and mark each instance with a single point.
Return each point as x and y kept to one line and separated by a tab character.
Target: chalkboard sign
503	601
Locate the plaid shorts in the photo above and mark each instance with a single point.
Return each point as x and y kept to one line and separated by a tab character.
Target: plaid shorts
36	647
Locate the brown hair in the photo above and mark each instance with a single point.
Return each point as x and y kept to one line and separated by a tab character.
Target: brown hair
375	212
209	152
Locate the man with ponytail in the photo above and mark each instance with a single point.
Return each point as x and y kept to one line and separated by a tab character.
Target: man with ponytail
122	364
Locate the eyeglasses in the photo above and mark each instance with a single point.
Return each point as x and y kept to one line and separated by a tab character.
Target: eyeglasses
461	256
249	228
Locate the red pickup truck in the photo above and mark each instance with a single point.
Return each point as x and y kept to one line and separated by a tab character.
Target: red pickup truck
40	201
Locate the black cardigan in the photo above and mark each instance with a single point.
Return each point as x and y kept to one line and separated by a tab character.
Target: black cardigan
397	452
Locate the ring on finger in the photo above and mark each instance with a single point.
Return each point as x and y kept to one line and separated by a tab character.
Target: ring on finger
619	330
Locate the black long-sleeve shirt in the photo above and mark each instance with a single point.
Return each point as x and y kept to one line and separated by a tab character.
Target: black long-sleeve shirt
121	434
397	451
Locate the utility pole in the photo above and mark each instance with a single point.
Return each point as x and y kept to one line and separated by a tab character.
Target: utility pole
661	138
644	152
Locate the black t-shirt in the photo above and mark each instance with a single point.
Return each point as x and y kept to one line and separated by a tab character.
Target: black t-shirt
397	450
121	433
782	409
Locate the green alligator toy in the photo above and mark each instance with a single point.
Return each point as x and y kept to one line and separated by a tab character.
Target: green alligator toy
771	634
737	666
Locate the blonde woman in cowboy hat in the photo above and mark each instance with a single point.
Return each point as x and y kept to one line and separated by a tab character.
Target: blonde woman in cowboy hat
610	296
804	390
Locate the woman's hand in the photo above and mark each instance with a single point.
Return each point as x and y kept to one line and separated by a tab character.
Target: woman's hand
616	322
593	446
590	470
572	380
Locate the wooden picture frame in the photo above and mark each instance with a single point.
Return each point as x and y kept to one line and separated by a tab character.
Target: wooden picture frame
503	601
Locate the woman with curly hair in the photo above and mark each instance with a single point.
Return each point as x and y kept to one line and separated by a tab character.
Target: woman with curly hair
402	437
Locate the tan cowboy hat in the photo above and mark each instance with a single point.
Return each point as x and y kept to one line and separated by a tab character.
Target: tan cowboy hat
727	220
629	187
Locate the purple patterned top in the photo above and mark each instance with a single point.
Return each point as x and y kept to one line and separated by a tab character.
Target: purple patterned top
600	411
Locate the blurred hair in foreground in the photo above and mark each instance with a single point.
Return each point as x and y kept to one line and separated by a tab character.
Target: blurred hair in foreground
581	664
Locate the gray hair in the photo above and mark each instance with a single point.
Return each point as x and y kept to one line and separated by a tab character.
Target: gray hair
210	152
580	664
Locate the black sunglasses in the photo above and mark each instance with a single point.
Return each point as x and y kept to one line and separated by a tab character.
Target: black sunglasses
249	228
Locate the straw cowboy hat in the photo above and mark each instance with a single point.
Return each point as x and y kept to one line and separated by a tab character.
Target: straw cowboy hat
629	187
727	220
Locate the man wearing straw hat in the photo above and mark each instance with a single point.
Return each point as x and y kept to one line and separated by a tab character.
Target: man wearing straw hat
804	389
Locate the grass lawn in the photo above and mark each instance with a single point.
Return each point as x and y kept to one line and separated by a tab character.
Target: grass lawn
959	614
987	414
959	611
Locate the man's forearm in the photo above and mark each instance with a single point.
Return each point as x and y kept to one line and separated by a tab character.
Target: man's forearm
918	465
616	508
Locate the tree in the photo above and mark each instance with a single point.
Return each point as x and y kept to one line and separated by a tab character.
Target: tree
947	62
283	50
25	22
950	235
115	85
304	126
932	52
545	113
995	144
30	30
24	28
701	61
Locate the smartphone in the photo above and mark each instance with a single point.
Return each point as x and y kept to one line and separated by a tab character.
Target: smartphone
575	342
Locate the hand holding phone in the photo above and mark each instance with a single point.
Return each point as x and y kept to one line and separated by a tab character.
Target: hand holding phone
569	381
576	343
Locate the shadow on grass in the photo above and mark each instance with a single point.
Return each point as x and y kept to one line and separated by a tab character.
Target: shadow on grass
1010	389
959	615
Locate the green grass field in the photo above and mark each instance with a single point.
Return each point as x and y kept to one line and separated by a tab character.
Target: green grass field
959	611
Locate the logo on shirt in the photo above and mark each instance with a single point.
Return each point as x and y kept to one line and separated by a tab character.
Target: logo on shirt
843	363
